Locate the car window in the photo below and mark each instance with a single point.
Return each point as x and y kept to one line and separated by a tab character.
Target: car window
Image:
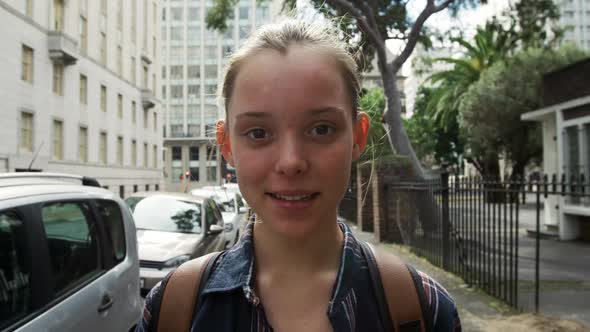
168	214
72	241
132	202
112	219
15	290
213	214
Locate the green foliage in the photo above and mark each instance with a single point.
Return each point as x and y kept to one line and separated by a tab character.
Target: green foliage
491	108
372	102
432	142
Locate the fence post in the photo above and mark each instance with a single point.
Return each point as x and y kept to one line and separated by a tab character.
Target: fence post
446	226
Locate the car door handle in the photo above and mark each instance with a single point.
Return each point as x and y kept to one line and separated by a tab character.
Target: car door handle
105	303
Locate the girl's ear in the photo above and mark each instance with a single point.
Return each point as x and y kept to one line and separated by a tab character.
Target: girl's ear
361	131
224	142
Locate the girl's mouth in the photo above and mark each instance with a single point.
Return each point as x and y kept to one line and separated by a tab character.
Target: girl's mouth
293	198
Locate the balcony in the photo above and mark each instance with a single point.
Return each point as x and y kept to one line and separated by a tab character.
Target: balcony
62	48
148	100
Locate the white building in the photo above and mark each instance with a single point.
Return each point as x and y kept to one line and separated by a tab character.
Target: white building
575	15
193	59
77	86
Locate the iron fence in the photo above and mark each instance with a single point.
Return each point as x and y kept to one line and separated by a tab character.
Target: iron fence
472	228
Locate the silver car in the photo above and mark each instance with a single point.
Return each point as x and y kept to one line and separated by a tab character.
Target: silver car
68	256
173	228
232	207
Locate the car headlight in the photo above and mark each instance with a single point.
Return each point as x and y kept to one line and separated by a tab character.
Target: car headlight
228	227
176	261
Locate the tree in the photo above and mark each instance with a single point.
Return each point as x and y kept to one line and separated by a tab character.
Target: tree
366	25
491	108
372	102
433	141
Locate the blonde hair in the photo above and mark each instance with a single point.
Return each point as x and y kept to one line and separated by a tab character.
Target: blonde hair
279	37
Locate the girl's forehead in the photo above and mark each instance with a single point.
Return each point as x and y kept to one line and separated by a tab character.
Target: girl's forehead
301	77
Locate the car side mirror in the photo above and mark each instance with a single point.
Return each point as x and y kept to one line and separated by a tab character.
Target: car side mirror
215	229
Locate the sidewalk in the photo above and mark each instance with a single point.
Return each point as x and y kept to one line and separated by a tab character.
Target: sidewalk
479	311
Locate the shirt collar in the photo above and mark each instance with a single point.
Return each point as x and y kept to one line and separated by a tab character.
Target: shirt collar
235	269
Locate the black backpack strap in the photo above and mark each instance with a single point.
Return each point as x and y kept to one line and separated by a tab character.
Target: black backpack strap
426	312
205	277
377	287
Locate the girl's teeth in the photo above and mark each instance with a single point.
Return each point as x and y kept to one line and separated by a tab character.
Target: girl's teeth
292	198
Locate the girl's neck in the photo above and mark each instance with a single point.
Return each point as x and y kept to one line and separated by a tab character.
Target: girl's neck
319	251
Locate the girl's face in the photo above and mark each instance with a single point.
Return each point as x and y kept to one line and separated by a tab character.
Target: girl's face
292	138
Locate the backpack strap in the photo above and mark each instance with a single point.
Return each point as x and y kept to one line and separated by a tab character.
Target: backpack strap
178	307
400	296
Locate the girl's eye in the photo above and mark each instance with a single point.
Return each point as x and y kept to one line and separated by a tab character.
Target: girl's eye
322	130
257	134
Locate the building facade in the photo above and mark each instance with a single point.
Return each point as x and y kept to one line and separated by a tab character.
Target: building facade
78	90
575	15
193	59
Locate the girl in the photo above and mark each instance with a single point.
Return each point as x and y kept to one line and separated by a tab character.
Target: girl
292	130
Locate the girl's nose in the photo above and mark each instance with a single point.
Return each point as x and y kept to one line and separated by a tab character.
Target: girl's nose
292	159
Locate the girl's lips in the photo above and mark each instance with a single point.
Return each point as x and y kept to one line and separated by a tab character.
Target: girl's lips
292	201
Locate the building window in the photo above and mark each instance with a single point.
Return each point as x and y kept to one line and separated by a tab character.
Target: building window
119	60
58	140
83	90
120	106
29	8
210	90
120	150
155	156
147	187
27	64
145	155
164	72
194	71
154	83
133	112
211	71
26	131
103	48
176	91
176	153
58	15
176	72
132	70
103	98
194	91
193	52
122	188
133	153
154	46
102	151
83	35
194	153
244	13
211	173
83	144
210	52
58	79
155	121
176	13
134	188
157	187
145	118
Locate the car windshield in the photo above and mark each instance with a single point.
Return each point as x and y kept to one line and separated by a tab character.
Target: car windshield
132	202
168	214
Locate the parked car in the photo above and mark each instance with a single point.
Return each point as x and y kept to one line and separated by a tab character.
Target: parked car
68	256
232	208
173	228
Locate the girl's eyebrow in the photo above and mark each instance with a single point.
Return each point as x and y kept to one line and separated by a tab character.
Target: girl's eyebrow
313	112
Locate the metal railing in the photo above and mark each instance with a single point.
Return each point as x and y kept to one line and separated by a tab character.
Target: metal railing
473	230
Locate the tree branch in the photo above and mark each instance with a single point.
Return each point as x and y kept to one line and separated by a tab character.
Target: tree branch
430	9
371	33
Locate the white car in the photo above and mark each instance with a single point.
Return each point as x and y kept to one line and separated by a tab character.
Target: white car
68	256
232	208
